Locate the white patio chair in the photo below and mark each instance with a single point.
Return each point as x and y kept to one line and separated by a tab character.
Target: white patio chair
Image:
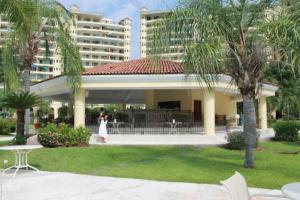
238	189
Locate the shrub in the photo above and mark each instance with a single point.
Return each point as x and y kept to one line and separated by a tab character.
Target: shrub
287	130
7	126
81	135
49	139
54	135
20	140
236	140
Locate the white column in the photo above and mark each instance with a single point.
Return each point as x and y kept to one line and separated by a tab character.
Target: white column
79	108
35	118
262	111
209	112
55	105
55	112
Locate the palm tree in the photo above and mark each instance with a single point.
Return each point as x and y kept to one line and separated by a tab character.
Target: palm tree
223	36
34	21
287	99
20	101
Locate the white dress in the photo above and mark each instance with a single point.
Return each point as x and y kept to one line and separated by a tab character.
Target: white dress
102	128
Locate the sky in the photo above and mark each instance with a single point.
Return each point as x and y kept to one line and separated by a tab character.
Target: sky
119	9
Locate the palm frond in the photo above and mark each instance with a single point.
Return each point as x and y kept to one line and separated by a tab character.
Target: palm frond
21	100
10	66
47	20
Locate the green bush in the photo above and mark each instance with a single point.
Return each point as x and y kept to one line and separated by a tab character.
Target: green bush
81	135
63	135
287	130
236	140
7	126
20	140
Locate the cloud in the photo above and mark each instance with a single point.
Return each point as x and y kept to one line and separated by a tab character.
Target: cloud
92	5
126	10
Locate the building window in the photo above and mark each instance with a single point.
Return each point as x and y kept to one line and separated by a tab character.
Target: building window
173	105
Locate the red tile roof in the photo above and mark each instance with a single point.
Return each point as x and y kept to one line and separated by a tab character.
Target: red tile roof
138	66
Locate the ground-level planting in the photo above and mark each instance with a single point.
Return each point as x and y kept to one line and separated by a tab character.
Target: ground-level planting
274	165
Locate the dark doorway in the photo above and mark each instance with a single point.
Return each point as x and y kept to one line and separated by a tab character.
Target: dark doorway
197	110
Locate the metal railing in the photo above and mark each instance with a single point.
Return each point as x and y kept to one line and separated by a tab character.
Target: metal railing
155	122
167	128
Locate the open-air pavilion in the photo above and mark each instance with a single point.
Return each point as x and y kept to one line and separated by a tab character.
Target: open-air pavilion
168	93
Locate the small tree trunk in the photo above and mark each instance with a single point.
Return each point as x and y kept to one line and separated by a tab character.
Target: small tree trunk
20	122
249	129
26	86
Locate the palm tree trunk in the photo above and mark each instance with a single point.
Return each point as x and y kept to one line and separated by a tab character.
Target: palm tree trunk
26	86
20	122
249	129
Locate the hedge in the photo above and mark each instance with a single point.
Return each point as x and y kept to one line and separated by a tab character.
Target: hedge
287	130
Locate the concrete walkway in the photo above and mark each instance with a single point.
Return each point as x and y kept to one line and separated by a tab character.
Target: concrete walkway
6	138
66	186
187	139
184	139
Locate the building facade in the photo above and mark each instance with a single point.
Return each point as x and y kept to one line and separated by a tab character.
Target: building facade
162	87
100	41
148	20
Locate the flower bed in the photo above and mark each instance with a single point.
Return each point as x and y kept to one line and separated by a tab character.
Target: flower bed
53	135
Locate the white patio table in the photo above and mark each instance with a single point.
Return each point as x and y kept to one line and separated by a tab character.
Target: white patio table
292	190
21	153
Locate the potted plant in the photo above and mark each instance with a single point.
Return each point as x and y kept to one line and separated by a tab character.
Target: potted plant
37	123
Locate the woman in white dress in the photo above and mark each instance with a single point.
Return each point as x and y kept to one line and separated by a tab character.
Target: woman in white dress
102	128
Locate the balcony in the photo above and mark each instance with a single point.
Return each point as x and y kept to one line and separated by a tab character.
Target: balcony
112	32
100	38
44	64
107	60
100	23
101	53
100	45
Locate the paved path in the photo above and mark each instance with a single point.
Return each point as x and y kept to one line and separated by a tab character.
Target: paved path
6	138
188	139
66	186
185	139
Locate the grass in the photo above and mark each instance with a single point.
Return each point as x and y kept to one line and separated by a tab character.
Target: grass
4	143
171	163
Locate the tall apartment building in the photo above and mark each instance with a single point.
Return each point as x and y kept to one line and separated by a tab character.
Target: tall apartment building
100	41
148	20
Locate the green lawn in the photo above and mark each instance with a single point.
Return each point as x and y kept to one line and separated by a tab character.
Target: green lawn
186	164
4	143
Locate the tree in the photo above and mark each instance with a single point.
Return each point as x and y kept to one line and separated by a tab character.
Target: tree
220	37
34	21
286	102
20	101
44	110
